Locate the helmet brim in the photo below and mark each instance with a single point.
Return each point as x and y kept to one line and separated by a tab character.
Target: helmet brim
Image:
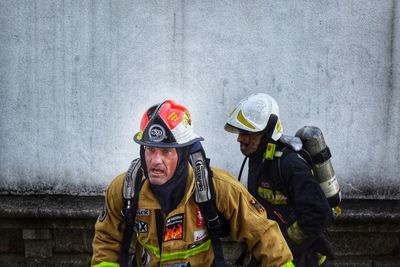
230	128
165	145
235	130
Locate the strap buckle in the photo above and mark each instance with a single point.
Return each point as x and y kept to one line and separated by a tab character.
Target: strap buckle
214	225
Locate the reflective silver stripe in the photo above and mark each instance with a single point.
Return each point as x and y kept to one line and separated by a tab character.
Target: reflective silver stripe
278	198
295	233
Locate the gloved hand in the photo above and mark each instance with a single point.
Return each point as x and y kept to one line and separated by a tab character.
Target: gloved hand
311	251
319	244
307	260
323	246
296	234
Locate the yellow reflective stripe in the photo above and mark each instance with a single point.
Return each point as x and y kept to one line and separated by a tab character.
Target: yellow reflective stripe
243	120
322	259
186	253
278	126
106	264
288	264
177	255
153	249
278	198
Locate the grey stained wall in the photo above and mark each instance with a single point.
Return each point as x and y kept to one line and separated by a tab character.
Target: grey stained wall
76	76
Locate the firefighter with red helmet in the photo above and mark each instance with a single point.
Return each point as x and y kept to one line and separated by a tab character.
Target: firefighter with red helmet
281	179
167	215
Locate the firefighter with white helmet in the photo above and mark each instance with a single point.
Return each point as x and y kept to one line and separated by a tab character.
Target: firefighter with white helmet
282	179
157	205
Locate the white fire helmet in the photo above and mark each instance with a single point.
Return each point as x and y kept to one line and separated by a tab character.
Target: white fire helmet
255	113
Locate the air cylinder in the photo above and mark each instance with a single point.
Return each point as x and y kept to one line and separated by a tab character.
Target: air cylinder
314	143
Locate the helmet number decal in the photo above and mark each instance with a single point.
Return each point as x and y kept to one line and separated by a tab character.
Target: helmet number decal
157	133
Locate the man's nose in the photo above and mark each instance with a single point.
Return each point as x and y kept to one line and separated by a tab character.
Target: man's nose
156	157
242	138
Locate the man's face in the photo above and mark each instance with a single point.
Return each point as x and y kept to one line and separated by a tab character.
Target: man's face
249	142
161	164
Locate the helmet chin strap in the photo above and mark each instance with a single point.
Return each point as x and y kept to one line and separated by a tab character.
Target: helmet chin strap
269	129
143	161
266	137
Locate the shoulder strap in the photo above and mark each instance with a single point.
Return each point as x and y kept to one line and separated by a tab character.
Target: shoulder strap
302	153
241	168
132	184
205	198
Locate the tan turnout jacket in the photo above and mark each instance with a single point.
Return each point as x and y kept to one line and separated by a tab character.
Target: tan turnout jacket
185	237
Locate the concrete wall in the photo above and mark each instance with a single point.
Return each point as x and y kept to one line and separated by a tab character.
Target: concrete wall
76	76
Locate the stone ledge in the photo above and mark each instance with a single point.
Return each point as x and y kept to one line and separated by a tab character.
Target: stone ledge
366	234
370	210
81	207
50	206
352	261
57	260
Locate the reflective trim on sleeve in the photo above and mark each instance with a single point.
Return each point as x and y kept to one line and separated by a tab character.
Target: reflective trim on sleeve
288	264
276	198
295	233
179	254
321	259
106	264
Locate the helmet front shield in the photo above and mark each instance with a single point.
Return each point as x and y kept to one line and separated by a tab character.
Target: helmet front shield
166	125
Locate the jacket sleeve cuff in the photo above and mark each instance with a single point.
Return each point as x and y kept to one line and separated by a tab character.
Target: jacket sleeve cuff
288	264
296	234
108	264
